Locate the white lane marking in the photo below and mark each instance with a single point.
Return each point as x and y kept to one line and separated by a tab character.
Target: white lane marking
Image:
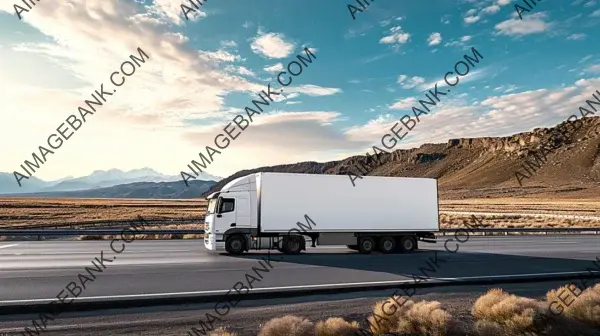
224	291
11	245
69	252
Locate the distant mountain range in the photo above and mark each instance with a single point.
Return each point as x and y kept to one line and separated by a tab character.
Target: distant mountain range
147	190
136	182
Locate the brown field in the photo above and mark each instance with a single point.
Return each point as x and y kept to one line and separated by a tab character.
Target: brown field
35	212
188	214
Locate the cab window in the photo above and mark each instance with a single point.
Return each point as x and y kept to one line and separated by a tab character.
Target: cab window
227	205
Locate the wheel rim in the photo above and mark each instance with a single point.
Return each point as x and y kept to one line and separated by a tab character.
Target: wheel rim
367	245
236	245
408	244
387	245
294	245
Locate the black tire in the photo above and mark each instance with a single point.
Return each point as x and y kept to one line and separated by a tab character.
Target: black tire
408	243
353	247
366	245
235	245
292	244
387	245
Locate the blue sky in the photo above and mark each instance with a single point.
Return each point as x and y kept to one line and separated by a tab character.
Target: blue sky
202	72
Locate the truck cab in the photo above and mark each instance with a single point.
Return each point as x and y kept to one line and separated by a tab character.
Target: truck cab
231	211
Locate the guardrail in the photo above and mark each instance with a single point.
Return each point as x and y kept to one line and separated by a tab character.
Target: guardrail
105	232
101	232
92	224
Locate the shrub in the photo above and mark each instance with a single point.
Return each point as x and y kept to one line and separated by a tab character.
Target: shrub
501	313
583	306
288	325
336	326
425	318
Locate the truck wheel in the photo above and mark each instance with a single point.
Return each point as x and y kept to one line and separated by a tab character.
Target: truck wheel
353	247
387	244
366	245
235	245
408	244
292	245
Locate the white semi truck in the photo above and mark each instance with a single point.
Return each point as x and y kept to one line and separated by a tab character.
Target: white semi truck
282	211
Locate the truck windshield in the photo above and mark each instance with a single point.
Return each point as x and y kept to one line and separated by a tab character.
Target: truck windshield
212	206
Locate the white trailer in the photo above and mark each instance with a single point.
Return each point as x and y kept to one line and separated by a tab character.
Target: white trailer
282	211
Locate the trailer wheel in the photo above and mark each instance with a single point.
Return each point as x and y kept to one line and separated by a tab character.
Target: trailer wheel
408	243
292	244
366	245
387	244
235	245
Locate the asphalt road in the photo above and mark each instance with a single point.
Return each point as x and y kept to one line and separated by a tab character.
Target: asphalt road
41	270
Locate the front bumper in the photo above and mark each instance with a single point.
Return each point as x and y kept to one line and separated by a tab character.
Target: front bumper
211	243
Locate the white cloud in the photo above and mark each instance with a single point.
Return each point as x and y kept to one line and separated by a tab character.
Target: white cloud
170	11
595	13
313	90
402	104
245	71
471	76
281	138
274	68
434	39
471	19
503	2
491	9
459	43
494	116
396	36
576	37
594	68
272	45
410	83
228	44
531	24
88	42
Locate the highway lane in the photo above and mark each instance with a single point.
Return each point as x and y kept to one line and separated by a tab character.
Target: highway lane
41	270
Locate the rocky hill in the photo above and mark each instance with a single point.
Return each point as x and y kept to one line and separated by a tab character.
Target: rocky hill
559	160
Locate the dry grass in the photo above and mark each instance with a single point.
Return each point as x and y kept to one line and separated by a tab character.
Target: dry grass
336	326
584	207
583	306
499	313
56	211
498	310
221	332
288	326
426	318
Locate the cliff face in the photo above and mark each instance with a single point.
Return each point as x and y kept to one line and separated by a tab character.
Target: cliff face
480	162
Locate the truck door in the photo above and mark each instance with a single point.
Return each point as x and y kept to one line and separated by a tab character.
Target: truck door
242	211
226	215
